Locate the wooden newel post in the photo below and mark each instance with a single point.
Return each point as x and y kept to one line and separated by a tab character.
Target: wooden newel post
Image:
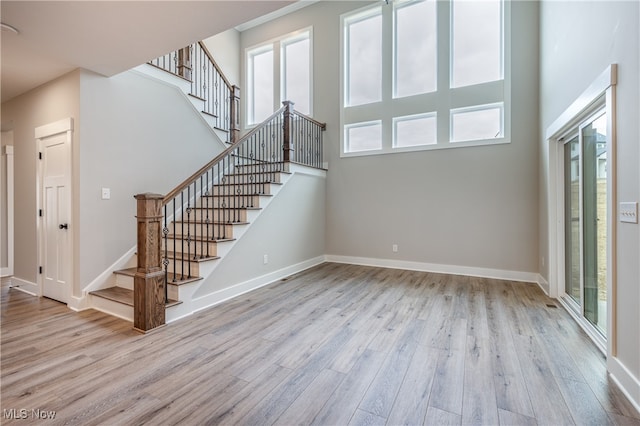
149	281
286	132
234	127
184	63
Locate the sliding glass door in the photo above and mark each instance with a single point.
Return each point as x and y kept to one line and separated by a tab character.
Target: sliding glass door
585	220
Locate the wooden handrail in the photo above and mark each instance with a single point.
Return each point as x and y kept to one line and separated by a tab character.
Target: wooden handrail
323	126
171	195
215	65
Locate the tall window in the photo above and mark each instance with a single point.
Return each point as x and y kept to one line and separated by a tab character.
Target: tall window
277	71
430	74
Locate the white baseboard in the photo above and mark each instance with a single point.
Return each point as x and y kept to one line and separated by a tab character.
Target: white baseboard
529	277
543	284
24	286
228	293
628	384
6	272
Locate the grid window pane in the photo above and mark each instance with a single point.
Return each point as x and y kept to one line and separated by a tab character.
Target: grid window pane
477	42
478	124
415	131
416	43
363	137
364	61
261	81
297	74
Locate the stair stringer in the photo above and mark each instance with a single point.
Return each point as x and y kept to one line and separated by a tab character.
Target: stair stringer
209	291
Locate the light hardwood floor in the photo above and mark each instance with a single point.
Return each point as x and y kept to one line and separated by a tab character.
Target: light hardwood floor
335	345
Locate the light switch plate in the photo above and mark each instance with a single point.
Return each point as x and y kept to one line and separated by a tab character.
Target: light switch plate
106	193
628	212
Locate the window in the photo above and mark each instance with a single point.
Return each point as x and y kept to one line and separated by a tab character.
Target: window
432	74
277	71
260	84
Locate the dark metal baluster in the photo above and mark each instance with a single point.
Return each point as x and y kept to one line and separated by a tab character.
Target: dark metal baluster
165	259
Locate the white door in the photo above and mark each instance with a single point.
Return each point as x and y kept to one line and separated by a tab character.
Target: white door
55	216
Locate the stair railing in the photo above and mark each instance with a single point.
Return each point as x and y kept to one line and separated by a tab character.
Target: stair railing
176	232
208	83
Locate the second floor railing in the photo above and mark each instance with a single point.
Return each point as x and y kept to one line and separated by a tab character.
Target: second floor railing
221	99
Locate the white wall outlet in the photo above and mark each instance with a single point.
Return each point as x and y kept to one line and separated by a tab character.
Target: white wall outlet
265	259
106	193
628	212
394	248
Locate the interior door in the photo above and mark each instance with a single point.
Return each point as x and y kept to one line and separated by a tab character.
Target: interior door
55	206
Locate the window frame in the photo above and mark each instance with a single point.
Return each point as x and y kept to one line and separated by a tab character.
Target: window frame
441	102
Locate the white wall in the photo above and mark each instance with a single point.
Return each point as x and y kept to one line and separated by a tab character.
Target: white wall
469	207
46	104
290	231
225	49
138	135
578	41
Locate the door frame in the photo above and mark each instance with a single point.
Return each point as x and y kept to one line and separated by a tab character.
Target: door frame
52	129
9	176
603	87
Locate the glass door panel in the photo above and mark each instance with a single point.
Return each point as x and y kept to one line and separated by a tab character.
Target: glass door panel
572	219
585	220
594	140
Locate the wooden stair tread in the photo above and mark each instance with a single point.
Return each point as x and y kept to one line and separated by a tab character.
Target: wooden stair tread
123	295
262	172
225	208
209	114
198	222
197	97
248	183
117	294
129	272
172	255
198	238
183	281
236	195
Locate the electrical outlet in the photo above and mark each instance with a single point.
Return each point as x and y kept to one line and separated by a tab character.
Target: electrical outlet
106	193
265	259
394	248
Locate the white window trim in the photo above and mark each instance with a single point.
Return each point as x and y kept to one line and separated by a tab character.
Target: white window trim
276	44
440	102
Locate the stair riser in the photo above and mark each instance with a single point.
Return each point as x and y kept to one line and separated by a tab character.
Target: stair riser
183	267
196	247
236	201
261	167
212	231
239	190
254	177
220	215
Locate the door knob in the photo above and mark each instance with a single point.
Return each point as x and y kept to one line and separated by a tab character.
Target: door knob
63	226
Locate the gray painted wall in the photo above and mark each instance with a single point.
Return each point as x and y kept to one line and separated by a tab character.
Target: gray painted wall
472	207
141	136
578	41
46	104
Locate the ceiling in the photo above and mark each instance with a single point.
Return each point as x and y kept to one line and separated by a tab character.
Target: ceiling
107	37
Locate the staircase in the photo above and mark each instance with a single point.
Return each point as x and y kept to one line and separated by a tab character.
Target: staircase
184	235
193	243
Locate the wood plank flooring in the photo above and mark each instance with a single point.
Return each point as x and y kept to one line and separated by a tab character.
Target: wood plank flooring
335	345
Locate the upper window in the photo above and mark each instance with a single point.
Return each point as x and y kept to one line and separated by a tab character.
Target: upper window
441	82
277	71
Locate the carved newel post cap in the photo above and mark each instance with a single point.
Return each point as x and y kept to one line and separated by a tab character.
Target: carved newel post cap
148	196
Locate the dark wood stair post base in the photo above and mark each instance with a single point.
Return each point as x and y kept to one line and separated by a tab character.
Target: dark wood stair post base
149	280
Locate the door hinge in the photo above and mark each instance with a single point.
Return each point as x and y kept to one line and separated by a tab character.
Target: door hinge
40	212
39	156
40	269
